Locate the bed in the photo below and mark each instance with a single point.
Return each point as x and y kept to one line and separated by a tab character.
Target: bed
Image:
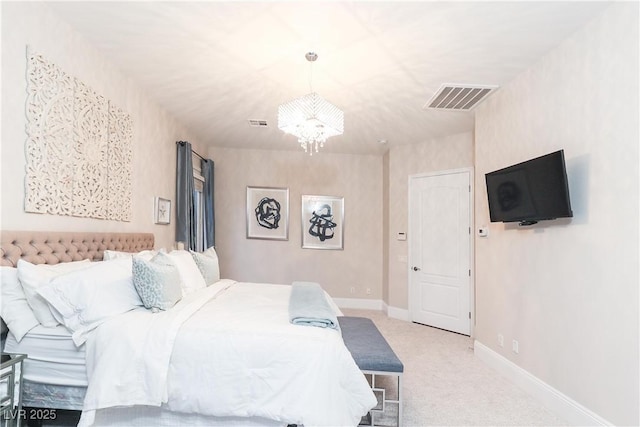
224	354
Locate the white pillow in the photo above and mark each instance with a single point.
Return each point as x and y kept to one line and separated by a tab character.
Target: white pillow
86	298
34	276
109	254
207	263
157	282
15	309
192	279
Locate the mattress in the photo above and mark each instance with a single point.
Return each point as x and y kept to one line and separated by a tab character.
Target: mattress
52	357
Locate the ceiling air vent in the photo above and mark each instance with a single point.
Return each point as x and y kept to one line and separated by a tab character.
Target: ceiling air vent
459	97
258	123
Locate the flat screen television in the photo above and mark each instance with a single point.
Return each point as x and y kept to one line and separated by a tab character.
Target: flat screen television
530	191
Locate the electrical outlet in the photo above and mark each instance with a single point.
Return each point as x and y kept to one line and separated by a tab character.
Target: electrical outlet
368	291
501	340
515	346
352	290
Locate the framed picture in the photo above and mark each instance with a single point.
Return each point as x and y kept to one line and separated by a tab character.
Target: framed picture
162	211
268	213
322	222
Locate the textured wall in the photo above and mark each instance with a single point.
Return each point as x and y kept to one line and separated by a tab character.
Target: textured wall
385	228
452	152
567	290
357	178
154	132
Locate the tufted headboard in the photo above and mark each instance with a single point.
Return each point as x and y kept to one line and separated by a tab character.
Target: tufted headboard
44	247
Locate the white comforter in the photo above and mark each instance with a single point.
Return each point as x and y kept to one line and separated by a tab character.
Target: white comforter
226	350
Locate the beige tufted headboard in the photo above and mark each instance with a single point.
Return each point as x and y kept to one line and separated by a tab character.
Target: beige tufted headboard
43	247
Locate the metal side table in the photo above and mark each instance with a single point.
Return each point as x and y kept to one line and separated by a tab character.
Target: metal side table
11	389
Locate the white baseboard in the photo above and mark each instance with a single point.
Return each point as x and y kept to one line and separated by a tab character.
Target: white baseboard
373	304
398	313
557	402
359	303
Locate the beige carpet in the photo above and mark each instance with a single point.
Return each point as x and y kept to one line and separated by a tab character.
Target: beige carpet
446	385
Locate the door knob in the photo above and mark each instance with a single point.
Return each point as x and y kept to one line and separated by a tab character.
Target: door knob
416	268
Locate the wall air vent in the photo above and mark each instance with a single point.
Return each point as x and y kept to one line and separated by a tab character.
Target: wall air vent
459	97
258	123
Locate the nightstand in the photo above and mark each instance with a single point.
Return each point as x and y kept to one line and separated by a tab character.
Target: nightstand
11	389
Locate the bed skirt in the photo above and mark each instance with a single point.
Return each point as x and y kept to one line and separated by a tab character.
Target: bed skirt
36	395
145	416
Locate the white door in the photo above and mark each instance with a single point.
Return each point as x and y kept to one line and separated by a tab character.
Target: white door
440	250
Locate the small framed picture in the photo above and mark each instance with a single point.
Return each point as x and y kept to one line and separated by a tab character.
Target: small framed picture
322	222
268	213
162	211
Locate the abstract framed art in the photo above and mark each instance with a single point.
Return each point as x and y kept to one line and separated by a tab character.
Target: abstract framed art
268	213
322	222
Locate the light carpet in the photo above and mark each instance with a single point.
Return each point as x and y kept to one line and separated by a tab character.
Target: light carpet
444	384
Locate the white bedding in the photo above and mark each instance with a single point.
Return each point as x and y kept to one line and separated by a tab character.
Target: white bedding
53	357
226	350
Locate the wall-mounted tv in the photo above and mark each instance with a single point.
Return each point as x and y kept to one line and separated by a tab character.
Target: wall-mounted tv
530	191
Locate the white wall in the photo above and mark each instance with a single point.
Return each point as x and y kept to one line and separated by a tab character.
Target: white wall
567	290
385	227
357	178
154	132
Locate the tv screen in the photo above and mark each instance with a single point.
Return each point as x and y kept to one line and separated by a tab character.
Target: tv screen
530	191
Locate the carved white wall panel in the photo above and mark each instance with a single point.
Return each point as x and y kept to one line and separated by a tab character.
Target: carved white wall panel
119	161
90	142
78	148
49	148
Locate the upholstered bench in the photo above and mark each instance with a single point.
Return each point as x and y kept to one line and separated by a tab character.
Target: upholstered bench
374	357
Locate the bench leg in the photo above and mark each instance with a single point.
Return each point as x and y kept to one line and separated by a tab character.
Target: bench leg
371	421
400	400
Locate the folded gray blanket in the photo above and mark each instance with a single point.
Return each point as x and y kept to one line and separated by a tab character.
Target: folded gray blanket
308	306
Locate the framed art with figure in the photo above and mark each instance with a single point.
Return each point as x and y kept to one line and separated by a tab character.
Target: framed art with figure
267	213
162	211
322	222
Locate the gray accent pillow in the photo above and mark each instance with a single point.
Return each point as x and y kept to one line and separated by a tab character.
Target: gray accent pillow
207	263
157	281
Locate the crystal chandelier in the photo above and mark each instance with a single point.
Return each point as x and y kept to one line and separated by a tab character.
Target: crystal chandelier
310	118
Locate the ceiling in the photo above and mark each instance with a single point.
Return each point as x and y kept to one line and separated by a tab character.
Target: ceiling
216	65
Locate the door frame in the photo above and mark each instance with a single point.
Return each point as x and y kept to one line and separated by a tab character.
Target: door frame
472	281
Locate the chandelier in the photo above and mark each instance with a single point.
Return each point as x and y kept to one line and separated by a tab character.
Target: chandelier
310	118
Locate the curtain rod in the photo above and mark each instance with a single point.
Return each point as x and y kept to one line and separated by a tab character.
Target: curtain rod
192	151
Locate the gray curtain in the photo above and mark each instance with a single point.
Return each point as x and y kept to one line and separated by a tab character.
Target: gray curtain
209	213
185	214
